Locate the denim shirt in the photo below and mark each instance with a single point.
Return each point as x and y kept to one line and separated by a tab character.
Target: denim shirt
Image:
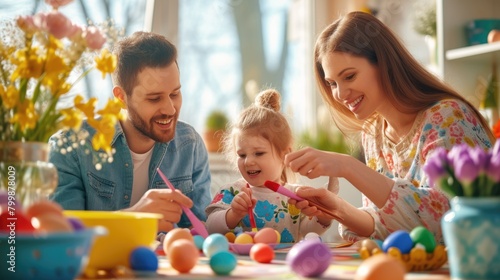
184	160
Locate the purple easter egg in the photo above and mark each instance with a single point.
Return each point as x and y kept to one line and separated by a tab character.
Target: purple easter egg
309	258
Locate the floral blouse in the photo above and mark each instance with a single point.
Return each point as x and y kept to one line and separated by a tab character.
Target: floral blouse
412	201
272	210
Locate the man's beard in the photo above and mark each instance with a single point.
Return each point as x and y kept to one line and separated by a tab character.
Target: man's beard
146	128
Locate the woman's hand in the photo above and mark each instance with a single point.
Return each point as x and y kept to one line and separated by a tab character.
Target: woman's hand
314	163
319	196
165	202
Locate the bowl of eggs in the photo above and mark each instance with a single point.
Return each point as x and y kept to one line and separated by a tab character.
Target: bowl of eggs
126	232
243	242
40	243
417	249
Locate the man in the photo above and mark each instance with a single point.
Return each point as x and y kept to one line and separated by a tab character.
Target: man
147	81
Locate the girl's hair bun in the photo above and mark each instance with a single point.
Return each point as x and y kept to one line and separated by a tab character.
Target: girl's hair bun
269	98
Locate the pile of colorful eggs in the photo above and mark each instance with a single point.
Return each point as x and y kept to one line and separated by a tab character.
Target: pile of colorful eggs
417	249
43	216
182	250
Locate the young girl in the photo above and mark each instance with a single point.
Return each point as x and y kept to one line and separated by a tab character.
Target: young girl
257	144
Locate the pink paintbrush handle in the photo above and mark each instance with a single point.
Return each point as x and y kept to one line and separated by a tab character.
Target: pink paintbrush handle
197	224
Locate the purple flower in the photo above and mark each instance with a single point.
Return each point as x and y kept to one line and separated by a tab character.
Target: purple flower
495	152
435	167
493	168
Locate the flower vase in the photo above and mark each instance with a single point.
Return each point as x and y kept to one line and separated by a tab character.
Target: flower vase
471	230
25	172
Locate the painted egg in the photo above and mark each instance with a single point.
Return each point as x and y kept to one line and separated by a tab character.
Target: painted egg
214	243
50	222
22	224
143	259
198	241
312	235
421	235
176	234
493	36
76	223
265	235
230	236
43	207
369	244
222	263
380	266
399	239
309	258
243	238
278	239
183	255
262	253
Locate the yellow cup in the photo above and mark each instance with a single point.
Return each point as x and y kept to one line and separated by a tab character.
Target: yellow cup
126	231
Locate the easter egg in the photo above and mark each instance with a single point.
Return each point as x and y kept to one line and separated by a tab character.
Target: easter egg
243	238
309	258
50	222
265	235
76	223
312	235
176	234
41	207
214	243
223	262
262	253
399	239
380	266
198	241
143	259
230	236
369	245
421	235
22	223
278	238
183	255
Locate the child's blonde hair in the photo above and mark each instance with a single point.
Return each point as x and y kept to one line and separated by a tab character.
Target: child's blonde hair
263	118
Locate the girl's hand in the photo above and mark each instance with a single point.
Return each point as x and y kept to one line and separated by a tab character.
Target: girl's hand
242	201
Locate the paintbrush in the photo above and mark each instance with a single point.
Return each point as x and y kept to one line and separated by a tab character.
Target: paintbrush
284	191
250	214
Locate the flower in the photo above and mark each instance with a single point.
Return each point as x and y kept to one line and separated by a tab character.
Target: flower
42	57
465	171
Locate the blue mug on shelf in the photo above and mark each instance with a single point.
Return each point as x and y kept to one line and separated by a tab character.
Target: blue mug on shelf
477	30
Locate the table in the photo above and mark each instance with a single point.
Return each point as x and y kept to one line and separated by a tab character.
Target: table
344	264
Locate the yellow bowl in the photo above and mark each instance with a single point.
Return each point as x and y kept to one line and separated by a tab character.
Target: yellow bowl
126	231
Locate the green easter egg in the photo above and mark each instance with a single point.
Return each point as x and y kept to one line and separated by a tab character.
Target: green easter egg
421	235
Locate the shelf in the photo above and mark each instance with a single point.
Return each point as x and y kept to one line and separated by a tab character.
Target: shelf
479	53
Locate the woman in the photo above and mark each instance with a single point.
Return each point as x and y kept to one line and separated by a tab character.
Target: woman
376	89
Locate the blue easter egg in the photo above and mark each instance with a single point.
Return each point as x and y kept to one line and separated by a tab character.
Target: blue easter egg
223	262
143	259
399	239
198	241
214	243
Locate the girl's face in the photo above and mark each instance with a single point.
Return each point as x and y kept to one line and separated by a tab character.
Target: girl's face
257	160
355	83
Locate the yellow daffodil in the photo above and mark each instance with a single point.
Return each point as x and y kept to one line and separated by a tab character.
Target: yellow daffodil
72	118
26	115
10	96
106	63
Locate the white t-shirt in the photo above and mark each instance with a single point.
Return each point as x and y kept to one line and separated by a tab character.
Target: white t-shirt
141	174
